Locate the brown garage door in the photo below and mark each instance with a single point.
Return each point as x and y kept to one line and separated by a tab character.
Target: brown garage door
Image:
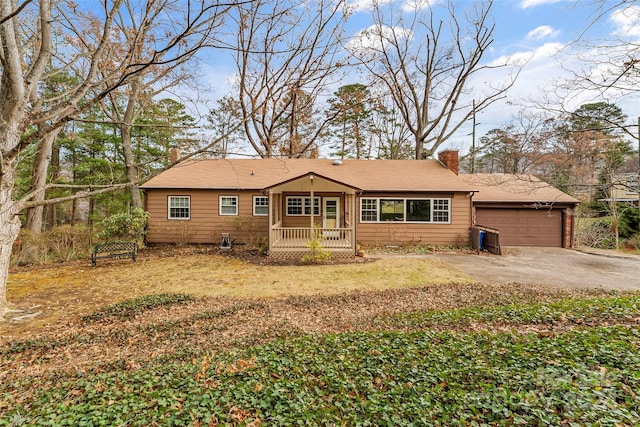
524	227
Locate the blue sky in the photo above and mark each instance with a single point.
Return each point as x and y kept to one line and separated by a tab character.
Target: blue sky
547	33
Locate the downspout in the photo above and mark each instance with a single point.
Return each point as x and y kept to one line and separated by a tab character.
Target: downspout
472	218
311	203
471	208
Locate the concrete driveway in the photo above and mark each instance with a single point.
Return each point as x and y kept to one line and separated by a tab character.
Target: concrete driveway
551	266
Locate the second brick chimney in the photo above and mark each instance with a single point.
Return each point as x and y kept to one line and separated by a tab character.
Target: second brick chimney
174	155
450	160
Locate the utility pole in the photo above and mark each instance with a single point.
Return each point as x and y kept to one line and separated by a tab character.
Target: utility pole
473	140
638	181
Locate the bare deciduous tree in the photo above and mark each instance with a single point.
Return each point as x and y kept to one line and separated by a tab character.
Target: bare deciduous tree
286	56
28	55
429	64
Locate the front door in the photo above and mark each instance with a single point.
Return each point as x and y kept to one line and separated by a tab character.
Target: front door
331	216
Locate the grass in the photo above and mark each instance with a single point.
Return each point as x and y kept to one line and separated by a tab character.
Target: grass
581	376
79	289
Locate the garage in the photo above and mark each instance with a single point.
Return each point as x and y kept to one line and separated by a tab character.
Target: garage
526	210
524	227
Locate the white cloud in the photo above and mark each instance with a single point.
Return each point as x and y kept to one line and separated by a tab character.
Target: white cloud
374	37
524	4
416	5
542	32
545	51
364	5
626	21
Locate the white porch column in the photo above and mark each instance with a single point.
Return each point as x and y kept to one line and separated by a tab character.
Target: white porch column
353	219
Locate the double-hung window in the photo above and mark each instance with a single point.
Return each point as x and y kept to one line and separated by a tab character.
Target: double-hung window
405	210
297	206
228	205
369	210
440	210
260	206
179	207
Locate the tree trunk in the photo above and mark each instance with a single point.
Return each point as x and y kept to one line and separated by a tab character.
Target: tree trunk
9	227
130	115
39	180
132	171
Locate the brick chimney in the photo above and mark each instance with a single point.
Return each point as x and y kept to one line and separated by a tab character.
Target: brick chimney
174	155
450	159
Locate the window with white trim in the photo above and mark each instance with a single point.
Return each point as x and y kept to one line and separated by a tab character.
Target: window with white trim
228	205
179	207
369	210
260	206
440	210
405	210
297	206
632	186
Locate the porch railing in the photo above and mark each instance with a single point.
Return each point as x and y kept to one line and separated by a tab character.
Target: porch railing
299	237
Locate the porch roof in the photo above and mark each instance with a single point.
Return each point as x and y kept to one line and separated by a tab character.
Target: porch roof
305	181
260	174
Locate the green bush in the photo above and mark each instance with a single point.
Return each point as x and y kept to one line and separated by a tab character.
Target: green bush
124	226
317	254
629	222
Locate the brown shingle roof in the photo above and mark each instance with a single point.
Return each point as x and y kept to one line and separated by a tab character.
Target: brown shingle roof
257	174
514	188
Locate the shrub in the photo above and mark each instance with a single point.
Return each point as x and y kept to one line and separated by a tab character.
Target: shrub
633	242
317	254
629	222
597	234
62	243
124	226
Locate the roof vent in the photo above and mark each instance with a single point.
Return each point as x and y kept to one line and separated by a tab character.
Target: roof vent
337	162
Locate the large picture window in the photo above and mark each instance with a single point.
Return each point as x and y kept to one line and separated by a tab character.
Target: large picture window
260	206
391	210
179	207
228	205
405	210
302	206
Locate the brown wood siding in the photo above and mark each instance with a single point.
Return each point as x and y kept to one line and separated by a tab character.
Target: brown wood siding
205	224
524	227
400	233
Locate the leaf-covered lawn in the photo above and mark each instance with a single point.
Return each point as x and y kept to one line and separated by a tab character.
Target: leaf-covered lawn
75	289
411	366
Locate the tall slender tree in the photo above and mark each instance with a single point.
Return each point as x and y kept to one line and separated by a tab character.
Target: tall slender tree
350	110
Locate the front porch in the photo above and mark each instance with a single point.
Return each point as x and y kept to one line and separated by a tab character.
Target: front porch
311	209
290	242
